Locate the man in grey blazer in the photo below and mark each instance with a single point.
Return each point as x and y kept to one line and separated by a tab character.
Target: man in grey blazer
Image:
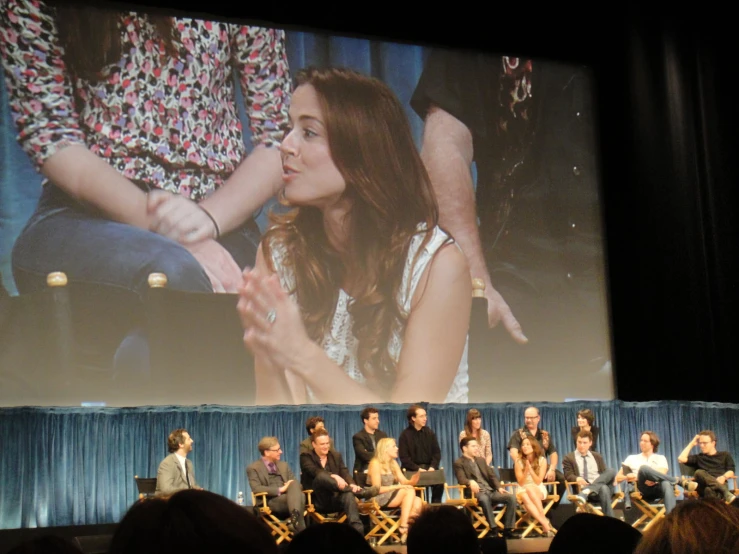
176	473
270	475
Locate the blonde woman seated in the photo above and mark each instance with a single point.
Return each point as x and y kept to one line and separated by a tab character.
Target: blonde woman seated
394	489
531	468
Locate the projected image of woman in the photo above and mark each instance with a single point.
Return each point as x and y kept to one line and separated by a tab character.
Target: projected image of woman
113	105
358	296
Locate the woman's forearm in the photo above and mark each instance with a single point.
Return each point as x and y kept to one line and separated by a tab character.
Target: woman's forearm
92	181
256	180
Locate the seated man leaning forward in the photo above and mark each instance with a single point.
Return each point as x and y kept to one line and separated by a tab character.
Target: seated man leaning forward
589	471
649	471
270	475
176	473
712	468
473	471
334	490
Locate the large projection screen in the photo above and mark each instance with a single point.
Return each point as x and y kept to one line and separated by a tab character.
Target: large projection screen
524	130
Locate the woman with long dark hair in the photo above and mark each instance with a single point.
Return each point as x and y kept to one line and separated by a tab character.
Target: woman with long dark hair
357	296
531	468
473	428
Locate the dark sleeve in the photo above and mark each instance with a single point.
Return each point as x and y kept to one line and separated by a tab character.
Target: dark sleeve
729	461
435	451
692	461
460	473
575	430
404	452
596	431
360	448
256	485
290	474
551	449
569	469
308	465
515	440
463	84
492	478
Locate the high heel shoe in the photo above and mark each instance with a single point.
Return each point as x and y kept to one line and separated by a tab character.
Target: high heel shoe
403	533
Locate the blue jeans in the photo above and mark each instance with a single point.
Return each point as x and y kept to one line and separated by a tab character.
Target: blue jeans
664	488
64	236
493	498
603	488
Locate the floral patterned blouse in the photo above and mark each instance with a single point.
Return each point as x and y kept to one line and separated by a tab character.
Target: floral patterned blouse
162	121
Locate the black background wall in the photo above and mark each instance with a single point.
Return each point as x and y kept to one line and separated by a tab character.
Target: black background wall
668	132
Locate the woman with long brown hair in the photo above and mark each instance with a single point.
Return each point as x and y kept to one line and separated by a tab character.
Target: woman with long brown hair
530	468
473	428
357	296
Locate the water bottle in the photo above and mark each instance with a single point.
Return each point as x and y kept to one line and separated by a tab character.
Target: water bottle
240	499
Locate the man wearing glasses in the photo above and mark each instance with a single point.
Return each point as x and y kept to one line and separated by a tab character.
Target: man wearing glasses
531	419
712	468
270	475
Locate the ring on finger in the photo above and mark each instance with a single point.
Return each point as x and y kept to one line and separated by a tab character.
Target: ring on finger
271	316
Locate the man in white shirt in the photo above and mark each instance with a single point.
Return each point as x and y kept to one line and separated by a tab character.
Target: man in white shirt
176	473
649	471
589	471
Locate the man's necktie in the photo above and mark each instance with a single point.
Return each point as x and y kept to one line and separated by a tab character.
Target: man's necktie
585	468
187	477
272	468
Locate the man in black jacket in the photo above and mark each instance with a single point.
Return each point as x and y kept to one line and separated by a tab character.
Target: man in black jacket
472	471
419	449
365	441
334	490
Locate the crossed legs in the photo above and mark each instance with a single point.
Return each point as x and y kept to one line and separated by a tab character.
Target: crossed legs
530	496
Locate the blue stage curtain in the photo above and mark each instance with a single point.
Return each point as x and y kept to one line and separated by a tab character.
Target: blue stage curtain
74	466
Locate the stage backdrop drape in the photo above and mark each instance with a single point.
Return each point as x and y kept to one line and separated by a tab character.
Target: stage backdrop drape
74	466
399	66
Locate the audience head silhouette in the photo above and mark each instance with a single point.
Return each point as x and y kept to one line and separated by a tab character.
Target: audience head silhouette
707	526
442	529
191	521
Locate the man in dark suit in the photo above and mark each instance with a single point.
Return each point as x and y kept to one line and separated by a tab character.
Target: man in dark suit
334	490
365	441
176	473
270	475
589	471
472	471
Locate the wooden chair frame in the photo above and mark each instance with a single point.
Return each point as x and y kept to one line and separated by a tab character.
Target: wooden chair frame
278	526
651	511
384	522
310	508
473	507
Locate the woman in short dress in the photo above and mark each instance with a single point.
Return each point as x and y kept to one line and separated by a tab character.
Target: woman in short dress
531	467
394	489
